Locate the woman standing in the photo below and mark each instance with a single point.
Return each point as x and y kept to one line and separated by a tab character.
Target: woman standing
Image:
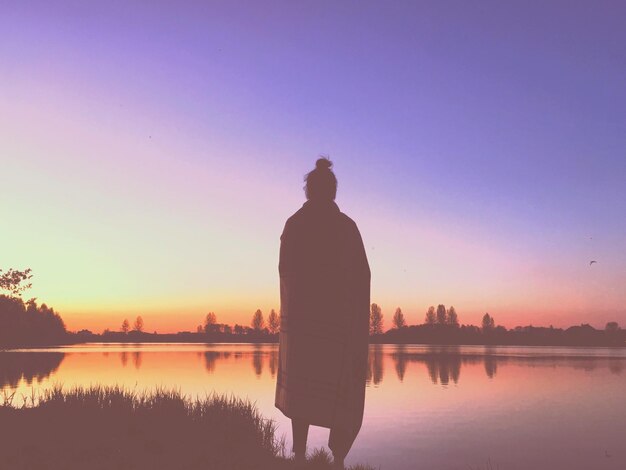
325	295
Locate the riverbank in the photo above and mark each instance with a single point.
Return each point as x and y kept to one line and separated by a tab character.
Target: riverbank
115	428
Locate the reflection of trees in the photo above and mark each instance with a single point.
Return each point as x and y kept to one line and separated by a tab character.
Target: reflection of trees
137	359
375	364
26	323
443	365
490	360
210	358
257	360
491	366
258	356
400	361
27	366
257	363
124	358
273	362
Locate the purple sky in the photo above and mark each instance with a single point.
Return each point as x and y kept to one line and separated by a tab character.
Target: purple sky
480	146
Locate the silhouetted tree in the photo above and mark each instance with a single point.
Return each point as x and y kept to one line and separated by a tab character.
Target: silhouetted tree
398	319
199	329
12	279
273	322
453	318
138	326
24	323
257	320
431	317
238	329
125	326
612	333
27	324
488	322
442	315
210	322
376	320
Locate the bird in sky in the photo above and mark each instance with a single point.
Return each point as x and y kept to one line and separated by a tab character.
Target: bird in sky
591	262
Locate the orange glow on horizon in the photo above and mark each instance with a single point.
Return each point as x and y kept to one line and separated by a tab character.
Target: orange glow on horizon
188	318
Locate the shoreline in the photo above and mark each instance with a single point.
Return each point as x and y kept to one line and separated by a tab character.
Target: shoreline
274	342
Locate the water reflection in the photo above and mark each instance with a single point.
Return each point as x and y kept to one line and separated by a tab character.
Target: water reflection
375	368
264	359
257	360
273	362
616	366
491	366
210	359
137	359
124	358
27	366
257	364
443	363
261	358
440	364
400	361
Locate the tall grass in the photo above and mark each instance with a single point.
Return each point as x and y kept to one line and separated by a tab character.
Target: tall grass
115	428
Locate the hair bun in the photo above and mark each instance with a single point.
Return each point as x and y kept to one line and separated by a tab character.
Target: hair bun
323	164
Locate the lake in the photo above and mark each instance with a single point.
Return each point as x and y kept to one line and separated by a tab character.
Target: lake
430	407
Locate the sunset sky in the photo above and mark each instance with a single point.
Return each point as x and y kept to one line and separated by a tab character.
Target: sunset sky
150	153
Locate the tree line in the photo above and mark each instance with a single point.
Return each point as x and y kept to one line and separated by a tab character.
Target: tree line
442	326
24	323
258	325
210	330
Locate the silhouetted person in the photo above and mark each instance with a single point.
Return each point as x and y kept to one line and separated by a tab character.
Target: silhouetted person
325	298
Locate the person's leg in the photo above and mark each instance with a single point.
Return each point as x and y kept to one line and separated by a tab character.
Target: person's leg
300	430
340	442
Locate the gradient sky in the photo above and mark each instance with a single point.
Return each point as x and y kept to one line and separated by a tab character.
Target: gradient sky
150	153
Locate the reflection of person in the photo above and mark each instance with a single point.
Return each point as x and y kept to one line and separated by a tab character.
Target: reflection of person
325	294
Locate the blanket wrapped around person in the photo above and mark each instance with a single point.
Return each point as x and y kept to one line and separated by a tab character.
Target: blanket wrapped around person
325	296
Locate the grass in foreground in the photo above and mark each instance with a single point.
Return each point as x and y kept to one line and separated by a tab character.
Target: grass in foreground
113	428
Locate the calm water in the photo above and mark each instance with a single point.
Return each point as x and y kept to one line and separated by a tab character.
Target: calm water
426	407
